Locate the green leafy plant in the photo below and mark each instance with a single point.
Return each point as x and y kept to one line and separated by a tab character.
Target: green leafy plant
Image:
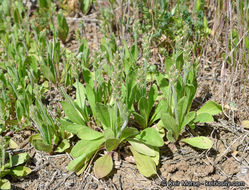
85	5
62	27
50	138
179	91
109	132
145	115
11	164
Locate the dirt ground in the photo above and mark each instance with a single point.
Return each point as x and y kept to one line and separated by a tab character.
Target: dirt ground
227	163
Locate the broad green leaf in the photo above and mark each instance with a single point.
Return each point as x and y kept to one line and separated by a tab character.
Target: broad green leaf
145	164
156	115
64	145
102	114
86	133
80	162
199	142
143	108
150	136
179	61
188	118
39	144
170	124
182	106
72	113
142	148
156	158
211	108
20	171
80	94
63	28
128	132
108	134
203	118
85	5
152	98
168	63
5	170
103	166
111	144
19	159
91	98
4	184
47	73
72	127
86	146
140	119
170	136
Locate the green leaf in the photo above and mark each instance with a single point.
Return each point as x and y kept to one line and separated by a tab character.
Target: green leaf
86	146
80	94
4	170
204	117
20	171
108	134
64	145
47	73
4	184
140	119
128	132
168	63
111	144
170	124
62	27
71	127
188	118
72	113
199	142
80	162
85	5
145	164
179	61
39	144
103	166
142	148
86	133
156	158
19	159
182	106
143	108
150	136
102	114
211	108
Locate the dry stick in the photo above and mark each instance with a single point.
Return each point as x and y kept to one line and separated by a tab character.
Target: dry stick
40	167
227	150
62	181
224	64
51	181
84	178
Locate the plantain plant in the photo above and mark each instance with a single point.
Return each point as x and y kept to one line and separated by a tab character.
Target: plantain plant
179	88
50	138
